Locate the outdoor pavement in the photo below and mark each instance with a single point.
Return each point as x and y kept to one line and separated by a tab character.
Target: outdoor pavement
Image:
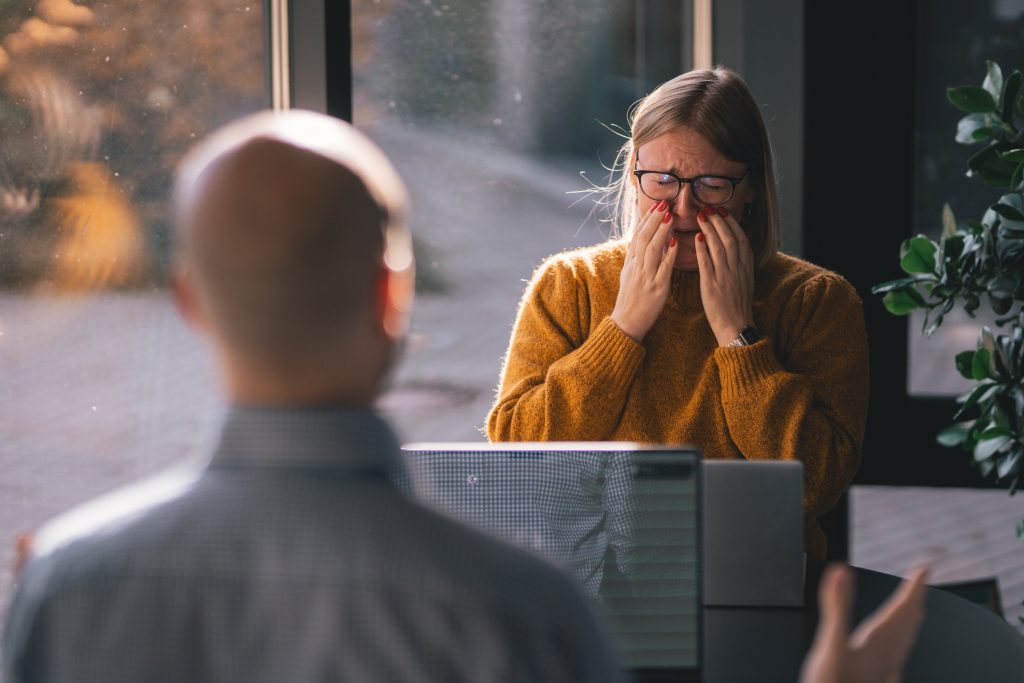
96	391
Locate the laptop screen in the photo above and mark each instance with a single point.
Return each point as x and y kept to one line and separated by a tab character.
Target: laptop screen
624	521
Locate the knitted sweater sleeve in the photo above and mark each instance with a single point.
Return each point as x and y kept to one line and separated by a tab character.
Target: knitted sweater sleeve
811	405
562	381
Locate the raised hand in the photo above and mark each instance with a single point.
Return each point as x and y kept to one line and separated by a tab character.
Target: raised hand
646	274
726	265
877	651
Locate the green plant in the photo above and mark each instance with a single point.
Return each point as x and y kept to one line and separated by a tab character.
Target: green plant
981	260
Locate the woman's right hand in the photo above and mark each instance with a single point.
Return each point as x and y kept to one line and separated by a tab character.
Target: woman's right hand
646	274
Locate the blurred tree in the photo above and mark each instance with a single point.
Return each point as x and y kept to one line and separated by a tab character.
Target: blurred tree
98	101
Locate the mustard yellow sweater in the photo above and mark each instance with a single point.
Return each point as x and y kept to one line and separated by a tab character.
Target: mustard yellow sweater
799	394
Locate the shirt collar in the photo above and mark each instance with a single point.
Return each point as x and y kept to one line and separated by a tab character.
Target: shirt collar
328	437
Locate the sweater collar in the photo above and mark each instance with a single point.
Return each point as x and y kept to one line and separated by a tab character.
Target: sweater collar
685	293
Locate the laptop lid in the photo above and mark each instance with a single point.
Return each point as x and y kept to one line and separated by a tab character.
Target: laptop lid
623	519
753	533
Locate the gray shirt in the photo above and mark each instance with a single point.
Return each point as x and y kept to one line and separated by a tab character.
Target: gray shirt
292	556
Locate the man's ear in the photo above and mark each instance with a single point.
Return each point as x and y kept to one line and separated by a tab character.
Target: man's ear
393	295
186	300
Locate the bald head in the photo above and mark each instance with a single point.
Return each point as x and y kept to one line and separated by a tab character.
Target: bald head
287	224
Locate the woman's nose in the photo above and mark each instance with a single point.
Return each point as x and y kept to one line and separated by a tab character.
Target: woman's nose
685	203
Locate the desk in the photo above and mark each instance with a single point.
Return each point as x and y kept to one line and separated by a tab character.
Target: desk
958	642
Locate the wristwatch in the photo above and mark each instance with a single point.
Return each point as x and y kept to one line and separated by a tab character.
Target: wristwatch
747	336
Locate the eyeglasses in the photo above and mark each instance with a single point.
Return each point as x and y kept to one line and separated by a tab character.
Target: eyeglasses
707	189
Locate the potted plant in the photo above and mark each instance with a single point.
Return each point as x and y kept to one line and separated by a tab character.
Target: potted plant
980	263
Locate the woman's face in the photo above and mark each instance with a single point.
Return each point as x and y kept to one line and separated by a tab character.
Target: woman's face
684	153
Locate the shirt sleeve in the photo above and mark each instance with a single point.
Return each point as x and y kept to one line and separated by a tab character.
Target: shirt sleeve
22	655
811	405
561	382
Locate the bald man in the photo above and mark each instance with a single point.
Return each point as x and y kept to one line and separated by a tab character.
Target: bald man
292	556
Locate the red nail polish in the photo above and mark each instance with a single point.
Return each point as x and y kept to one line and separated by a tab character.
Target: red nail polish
700	236
672	241
663	205
701	216
667	218
722	211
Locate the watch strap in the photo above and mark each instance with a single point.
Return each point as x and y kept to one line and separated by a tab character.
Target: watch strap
747	337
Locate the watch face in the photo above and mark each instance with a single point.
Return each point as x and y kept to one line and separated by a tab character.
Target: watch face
748	336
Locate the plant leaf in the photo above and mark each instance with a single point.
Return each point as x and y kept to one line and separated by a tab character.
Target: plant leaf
896	284
1008	212
1000	304
1013	155
1011	89
983	133
964	364
1020	535
1014	200
979	364
948	222
969	128
1008	465
993	432
954	435
917	255
987	448
980	393
993	79
971	98
899	302
952	247
987	165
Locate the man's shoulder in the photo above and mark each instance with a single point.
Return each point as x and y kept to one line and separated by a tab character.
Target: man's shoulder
110	519
391	560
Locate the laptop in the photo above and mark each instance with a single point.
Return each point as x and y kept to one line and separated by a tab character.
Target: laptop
623	519
753	533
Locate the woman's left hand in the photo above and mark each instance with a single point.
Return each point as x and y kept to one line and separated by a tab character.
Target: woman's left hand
726	265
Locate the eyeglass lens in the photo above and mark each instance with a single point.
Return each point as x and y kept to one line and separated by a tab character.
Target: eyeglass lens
706	189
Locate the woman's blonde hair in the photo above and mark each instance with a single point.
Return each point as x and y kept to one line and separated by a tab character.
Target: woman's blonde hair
718	105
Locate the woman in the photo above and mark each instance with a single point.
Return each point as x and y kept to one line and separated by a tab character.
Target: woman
693	328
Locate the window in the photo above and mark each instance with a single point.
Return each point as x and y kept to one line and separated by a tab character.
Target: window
100	382
491	111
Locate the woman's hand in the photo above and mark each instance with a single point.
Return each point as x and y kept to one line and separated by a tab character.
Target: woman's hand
646	274
726	265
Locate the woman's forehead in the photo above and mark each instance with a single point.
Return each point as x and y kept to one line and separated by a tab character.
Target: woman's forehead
686	153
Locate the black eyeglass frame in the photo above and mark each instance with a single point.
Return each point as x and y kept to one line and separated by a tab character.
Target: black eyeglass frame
681	181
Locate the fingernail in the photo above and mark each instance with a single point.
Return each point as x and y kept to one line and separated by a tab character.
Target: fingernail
663	205
672	241
701	216
722	211
667	218
700	236
654	207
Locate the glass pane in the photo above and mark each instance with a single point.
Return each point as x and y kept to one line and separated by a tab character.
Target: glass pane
963	535
99	381
955	39
490	111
